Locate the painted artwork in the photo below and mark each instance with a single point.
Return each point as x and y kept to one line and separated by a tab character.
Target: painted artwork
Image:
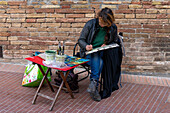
72	61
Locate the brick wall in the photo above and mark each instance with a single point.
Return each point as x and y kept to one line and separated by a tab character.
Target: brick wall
26	28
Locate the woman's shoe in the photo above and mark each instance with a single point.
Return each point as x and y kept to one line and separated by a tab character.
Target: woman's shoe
92	86
96	96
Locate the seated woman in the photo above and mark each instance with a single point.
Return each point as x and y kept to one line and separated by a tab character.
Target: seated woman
99	32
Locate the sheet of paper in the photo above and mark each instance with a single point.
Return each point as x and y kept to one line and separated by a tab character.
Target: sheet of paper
102	48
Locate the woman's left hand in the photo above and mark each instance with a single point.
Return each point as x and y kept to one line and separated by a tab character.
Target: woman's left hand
103	45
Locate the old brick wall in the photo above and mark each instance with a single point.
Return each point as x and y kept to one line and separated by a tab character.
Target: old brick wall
26	28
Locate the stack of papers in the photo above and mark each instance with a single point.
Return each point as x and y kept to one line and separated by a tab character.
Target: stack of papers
42	55
55	64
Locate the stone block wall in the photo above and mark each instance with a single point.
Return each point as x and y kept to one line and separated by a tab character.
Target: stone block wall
26	28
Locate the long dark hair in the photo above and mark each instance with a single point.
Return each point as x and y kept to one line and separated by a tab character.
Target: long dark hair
107	17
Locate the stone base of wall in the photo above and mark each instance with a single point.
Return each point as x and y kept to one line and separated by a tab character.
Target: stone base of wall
150	80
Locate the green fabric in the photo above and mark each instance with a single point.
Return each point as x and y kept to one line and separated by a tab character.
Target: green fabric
99	39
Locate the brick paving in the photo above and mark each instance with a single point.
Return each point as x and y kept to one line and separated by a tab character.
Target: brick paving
138	79
131	98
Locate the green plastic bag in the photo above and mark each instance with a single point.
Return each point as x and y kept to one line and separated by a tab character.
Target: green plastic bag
33	76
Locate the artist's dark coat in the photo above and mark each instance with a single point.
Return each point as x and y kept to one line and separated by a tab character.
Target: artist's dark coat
111	71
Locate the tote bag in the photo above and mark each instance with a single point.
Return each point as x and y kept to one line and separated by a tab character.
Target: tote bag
33	76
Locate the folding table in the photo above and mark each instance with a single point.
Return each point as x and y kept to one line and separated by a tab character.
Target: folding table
63	71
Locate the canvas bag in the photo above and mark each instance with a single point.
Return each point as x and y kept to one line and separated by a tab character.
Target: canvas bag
33	76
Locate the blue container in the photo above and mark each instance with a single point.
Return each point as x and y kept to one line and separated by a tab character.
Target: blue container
37	53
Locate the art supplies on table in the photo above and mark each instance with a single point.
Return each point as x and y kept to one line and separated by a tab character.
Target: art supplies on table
50	56
60	50
63	47
60	58
72	61
59	46
63	60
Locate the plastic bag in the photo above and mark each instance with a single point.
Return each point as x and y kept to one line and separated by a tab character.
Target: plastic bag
33	76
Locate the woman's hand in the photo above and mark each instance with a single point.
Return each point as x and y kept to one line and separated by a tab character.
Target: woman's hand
89	47
103	45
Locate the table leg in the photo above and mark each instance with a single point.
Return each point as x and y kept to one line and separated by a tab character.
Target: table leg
56	96
63	76
65	81
42	81
45	74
